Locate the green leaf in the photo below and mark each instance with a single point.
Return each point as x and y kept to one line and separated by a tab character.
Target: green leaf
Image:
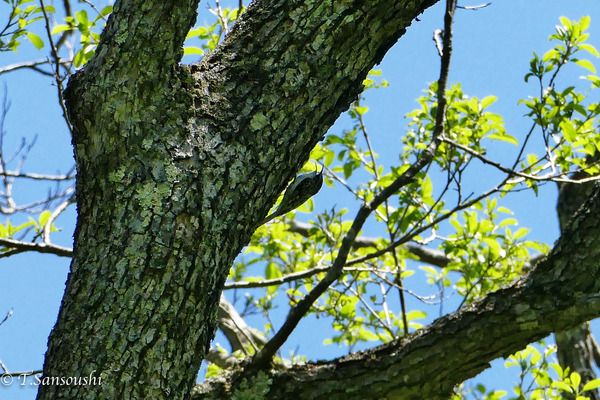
415	314
106	11
406	274
504	137
568	130
61	28
348	168
35	39
587	64
79	58
361	110
272	272
575	379
457	225
550	55
562	386
590	49
329	157
591	385
520	233
44	217
489	100
25	225
508	221
202	32
566	22
192	50
82	17
494	246
427	187
557	368
367	336
535	246
584	22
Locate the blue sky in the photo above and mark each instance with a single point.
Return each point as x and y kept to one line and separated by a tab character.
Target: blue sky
492	49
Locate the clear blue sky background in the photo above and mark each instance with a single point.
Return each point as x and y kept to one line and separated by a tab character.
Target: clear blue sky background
492	49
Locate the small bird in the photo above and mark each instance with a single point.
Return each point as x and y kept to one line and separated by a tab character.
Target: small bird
298	192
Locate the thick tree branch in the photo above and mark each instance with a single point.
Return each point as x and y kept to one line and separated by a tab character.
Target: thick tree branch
427	364
238	333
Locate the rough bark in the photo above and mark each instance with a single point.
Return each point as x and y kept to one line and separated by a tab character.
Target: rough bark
176	165
577	348
556	295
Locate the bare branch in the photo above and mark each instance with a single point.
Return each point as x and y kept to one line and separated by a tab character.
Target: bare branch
221	359
429	256
511	172
235	329
56	63
8	315
474	8
4	369
24	374
62	207
37	177
432	257
12	208
437	39
37	247
34	65
238	333
89	3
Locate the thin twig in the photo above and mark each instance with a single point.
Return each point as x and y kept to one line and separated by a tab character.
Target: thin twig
32	65
221	17
8	315
511	172
89	3
38	177
56	63
13	208
432	224
61	207
291	277
474	8
433	257
3	368
23	374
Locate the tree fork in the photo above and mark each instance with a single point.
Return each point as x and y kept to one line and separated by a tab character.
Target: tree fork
176	164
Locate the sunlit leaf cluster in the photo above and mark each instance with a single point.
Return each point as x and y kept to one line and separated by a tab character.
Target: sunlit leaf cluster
21	13
567	118
540	378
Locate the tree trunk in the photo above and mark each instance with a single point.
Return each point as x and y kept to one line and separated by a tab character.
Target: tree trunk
176	165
